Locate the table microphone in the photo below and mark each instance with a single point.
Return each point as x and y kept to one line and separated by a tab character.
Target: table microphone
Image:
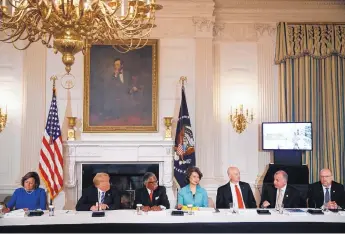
98	213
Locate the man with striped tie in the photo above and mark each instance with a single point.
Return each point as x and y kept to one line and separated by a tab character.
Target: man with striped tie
100	196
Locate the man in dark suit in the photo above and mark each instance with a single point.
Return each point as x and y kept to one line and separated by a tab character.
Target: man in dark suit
326	192
152	196
237	192
280	193
119	90
100	196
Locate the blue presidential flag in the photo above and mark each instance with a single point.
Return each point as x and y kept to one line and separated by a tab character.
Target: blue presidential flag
184	144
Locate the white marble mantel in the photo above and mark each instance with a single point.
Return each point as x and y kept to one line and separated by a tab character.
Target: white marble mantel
153	151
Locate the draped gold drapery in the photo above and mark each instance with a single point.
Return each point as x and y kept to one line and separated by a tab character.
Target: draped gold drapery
311	61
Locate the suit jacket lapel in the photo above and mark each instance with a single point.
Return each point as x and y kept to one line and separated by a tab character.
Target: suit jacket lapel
322	195
147	196
95	194
107	197
274	198
286	195
229	194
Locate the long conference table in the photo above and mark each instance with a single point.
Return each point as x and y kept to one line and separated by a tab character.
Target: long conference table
125	221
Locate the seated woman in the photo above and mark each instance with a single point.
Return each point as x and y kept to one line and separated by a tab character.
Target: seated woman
30	197
192	194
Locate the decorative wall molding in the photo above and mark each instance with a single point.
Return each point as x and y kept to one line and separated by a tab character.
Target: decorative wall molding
203	26
270	29
34	106
233	32
218	29
280	4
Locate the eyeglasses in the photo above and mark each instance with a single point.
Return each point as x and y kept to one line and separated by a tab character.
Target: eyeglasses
327	176
153	182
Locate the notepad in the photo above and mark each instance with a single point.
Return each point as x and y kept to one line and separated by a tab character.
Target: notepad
295	211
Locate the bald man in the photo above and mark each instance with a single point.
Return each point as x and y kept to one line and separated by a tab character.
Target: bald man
280	193
237	192
326	192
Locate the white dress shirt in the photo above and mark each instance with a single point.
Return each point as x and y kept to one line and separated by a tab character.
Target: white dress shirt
234	196
282	191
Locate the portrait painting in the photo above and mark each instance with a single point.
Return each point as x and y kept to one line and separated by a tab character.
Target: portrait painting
120	89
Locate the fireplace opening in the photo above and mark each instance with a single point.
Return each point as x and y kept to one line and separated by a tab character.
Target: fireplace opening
125	177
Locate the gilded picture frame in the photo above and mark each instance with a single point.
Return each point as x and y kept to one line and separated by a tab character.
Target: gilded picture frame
120	89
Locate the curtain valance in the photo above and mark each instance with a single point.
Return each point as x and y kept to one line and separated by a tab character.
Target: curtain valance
318	41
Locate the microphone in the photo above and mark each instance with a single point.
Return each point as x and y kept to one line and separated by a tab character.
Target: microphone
98	213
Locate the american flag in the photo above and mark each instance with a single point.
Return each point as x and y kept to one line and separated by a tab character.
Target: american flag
51	161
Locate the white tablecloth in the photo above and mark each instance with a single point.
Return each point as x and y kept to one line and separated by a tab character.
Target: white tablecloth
129	216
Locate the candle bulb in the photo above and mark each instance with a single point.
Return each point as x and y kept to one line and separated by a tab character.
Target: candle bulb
3	2
148	1
123	8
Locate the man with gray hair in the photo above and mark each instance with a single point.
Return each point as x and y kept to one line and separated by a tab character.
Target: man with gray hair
326	192
151	196
280	193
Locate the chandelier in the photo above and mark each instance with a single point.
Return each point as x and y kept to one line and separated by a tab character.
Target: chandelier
68	26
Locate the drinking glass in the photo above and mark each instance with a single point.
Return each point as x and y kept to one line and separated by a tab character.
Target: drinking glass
231	207
235	208
281	209
190	209
1	213
51	210
139	210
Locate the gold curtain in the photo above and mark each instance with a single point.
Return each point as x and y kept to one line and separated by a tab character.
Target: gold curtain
311	61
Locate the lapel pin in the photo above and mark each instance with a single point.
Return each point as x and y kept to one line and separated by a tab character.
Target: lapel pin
287	195
333	191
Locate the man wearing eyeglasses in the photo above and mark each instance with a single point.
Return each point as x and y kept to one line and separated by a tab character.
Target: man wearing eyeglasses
326	193
152	196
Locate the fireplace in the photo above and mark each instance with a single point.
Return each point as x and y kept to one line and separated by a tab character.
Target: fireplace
83	159
125	177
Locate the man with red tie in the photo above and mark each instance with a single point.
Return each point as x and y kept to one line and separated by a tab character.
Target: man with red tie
152	196
237	192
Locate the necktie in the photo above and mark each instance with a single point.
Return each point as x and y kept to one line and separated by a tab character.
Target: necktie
327	198
151	194
102	197
239	198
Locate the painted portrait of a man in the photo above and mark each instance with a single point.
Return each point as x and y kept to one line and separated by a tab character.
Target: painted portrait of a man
121	90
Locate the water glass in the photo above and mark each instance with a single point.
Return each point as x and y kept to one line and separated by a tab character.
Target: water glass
190	209
139	209
51	210
281	208
235	209
1	213
231	207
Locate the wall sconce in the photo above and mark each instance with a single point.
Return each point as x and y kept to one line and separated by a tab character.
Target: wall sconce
71	131
3	119
240	120
168	132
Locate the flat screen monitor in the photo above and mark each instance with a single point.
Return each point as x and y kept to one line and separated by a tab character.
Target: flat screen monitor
287	136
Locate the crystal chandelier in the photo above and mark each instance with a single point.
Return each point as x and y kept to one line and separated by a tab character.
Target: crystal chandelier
68	26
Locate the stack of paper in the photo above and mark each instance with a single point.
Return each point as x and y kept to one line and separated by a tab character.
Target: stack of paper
15	214
298	212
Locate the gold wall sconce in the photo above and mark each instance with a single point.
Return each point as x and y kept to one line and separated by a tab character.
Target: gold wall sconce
71	131
168	132
240	119
3	119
